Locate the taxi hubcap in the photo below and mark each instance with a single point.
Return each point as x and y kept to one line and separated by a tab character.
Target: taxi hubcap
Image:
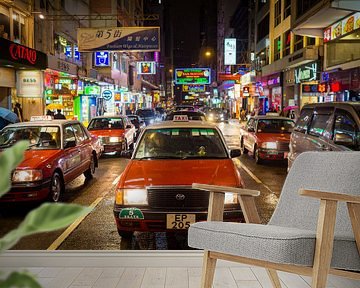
55	189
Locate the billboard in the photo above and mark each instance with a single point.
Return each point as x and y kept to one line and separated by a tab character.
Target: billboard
193	76
230	51
133	39
193	88
146	67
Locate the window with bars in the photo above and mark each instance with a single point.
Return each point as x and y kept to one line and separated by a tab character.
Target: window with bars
277	48
298	42
277	12
286	43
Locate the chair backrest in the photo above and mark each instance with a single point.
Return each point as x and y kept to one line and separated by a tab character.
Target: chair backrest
337	172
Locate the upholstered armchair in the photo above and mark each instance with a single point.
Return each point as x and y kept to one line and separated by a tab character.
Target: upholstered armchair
314	231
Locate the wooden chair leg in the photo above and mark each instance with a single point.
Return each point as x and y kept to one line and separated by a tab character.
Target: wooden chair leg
208	270
274	278
324	243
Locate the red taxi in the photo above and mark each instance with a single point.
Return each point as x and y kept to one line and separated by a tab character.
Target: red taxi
154	192
266	137
59	151
116	133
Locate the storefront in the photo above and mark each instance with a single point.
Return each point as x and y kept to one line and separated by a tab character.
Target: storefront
60	86
269	91
250	99
87	100
21	78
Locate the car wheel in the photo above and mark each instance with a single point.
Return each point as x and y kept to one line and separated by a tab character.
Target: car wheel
258	160
242	147
56	188
125	234
90	172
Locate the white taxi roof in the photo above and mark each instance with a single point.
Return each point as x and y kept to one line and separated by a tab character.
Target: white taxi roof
181	124
54	122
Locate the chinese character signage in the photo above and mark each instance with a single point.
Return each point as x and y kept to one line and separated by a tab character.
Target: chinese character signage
342	27
193	76
119	39
306	73
144	67
230	51
193	88
92	90
102	58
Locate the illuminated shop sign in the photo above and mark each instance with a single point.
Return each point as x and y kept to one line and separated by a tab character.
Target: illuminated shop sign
18	54
146	67
342	27
102	58
29	84
107	94
92	90
322	87
306	73
193	88
274	81
68	52
230	51
119	38
193	76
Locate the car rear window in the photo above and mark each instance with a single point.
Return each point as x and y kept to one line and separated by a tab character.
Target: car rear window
181	143
106	123
275	126
304	120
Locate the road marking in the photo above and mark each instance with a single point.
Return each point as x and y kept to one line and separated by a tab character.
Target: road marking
73	226
252	175
116	180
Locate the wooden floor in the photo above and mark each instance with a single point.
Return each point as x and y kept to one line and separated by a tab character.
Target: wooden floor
175	269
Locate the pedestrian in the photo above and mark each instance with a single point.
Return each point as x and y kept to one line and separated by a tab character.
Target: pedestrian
18	111
49	113
59	115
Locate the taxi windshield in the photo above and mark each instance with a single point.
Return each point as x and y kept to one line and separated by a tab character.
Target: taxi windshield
181	143
275	126
106	123
40	137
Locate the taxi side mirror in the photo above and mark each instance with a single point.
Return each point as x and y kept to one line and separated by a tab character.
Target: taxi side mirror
126	153
128	126
69	144
235	153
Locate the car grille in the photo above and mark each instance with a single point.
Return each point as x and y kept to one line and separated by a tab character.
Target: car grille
180	198
283	146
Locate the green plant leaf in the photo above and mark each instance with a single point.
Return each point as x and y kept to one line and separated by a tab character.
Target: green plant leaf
19	280
48	217
9	159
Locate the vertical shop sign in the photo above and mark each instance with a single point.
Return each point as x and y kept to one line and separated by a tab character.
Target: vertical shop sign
29	84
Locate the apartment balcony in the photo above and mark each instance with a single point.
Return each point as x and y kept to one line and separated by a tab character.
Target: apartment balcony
323	14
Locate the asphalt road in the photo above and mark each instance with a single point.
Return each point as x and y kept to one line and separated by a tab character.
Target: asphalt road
98	230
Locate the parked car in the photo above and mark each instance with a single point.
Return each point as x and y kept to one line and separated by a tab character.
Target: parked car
266	137
154	192
191	115
116	133
138	123
59	151
326	127
217	115
148	115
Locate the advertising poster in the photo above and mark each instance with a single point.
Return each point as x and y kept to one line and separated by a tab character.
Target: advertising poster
193	76
146	67
29	83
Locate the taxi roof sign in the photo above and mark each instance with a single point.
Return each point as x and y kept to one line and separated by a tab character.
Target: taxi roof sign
41	118
181	118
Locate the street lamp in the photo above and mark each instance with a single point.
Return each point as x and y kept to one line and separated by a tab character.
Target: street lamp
208	53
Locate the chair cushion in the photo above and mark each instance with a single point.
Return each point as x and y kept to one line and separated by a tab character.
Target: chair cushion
270	243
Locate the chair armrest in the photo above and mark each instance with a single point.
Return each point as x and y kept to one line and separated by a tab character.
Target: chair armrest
226	189
323	195
217	198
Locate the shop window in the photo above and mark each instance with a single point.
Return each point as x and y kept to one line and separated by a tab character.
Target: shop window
277	12
287	8
286	43
277	48
310	41
299	42
4	26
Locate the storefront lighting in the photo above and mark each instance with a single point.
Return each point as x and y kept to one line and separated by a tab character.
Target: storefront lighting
41	16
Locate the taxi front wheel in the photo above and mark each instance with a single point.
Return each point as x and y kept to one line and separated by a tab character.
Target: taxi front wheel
56	188
91	171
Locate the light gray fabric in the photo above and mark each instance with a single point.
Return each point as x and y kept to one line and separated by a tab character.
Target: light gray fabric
289	237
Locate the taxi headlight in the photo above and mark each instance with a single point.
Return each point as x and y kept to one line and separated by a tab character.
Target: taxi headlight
115	139
131	197
231	198
269	145
27	175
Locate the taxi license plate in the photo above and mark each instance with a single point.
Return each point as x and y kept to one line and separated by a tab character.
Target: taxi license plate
179	221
